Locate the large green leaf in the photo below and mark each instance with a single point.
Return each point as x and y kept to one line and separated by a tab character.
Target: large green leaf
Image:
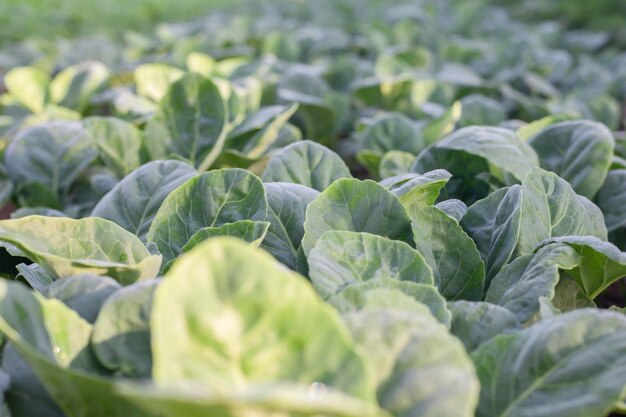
444	124
481	110
255	135
84	294
121	335
33	274
418	189
520	284
421	369
474	322
307	163
573	365
528	130
450	252
501	148
135	200
466	169
190	122
233	100
317	107
358	206
66	247
578	151
211	199
239	318
26	395
563	213
390	293
249	231
29	86
129	105
300	86
53	154
287	135
494	224
31	195
514	221
394	132
153	80
341	258
395	163
601	263
75	85
54	340
569	296
453	208
243	98
389	93
118	142
286	213
370	160
611	199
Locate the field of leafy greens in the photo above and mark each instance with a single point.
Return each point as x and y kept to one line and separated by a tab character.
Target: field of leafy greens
347	208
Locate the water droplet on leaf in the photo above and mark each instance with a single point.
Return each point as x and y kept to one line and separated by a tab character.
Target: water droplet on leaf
317	391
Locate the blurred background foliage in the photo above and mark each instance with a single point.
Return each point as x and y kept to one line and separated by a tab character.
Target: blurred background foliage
587	14
27	19
33	19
